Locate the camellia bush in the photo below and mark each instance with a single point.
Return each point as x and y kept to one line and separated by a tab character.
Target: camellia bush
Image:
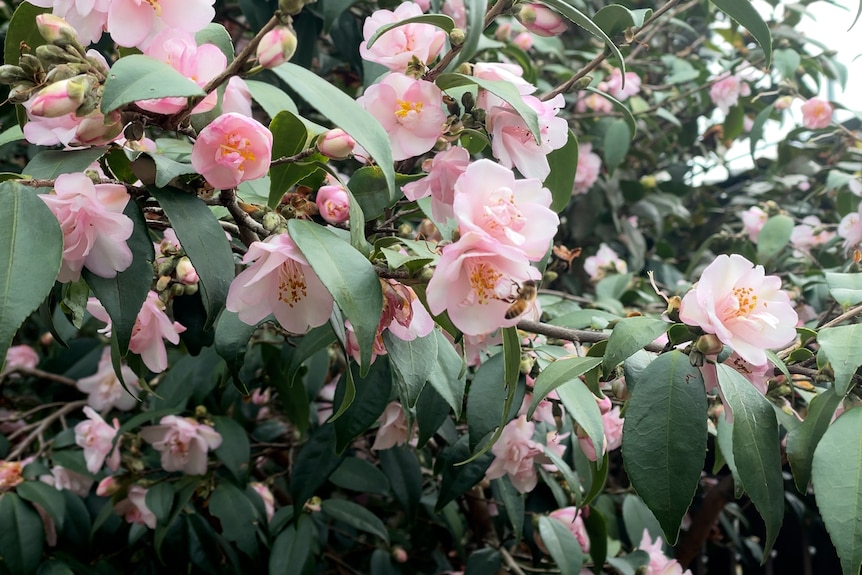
431	287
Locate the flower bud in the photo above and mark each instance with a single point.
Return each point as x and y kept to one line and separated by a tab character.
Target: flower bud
20	93
60	72
61	98
57	31
10	74
276	47
271	220
605	404
503	31
186	271
97	130
336	144
178	290
163	283
541	20
51	55
524	41
107	487
457	36
783	102
31	65
333	203
190	289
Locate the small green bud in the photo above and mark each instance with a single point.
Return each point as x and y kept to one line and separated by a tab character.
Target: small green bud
51	55
177	290
10	74
457	36
31	65
271	220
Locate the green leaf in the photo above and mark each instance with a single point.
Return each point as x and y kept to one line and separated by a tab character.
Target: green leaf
289	136
291	550
344	112
368	186
756	133
664	437
559	373
356	516
237	515
51	500
370	400
258	12
270	98
54	567
637	517
359	475
616	143
841	346
348	276
216	35
562	545
441	21
456	479
412	362
802	441
486	403
11	134
124	295
312	342
231	341
400	465
774	235
447	376
160	500
31	248
49	164
787	61
584	22
504	90
513	503
565	470
204	241
167	169
138	77
836	473
628	336
235	450
564	164
755	449
614	19
621	108
431	412
475	26
724	438
313	466
22	537
845	288
486	561
581	405
743	12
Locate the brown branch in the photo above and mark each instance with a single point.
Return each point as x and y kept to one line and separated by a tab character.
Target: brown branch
42	375
573	335
249	230
294	158
849	314
42	426
703	521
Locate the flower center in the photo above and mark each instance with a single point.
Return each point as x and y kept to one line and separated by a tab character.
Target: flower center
235	150
291	283
746	300
485	281
502	212
406	109
154	4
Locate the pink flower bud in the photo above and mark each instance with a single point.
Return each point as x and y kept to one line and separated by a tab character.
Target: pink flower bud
107	487
503	31
56	30
336	144
61	98
276	47
333	203
783	102
524	41
541	20
399	554
186	271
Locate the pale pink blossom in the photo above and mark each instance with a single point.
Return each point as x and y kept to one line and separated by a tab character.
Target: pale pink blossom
333	202
726	92
336	144
232	149
758	375
185	272
513	144
803	236
104	389
541	20
476	346
237	97
97	438
514	212
20	356
589	168
613	431
137	22
816	113
397	47
98	130
134	507
573	519
424	5
545	409
456	10
443	169
61	98
742	306
854	185
783	102
276	47
266	496
152	327
351	344
593	101
475	281
184	443
70	130
659	564
615	88
411	112
87	17
63	479
279	282
514	455
93	225
753	220
524	41
393	428
500	72
409	318
604	262
10	475
850	228
200	64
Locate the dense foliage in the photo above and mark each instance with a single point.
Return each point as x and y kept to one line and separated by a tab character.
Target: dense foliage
445	287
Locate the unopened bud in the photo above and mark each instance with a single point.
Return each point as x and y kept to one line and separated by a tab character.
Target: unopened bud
709	344
10	74
177	290
31	65
457	36
186	272
51	55
57	31
583	83
107	487
276	47
88	106
271	220
20	93
541	20
163	283
190	289
783	102
526	364
336	144
399	555
60	72
291	7
61	98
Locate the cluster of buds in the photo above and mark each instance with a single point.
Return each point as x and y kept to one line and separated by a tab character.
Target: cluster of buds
177	275
59	78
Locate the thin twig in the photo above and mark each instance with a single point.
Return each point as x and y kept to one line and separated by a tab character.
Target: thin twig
43	375
510	562
573	335
849	314
227	198
44	425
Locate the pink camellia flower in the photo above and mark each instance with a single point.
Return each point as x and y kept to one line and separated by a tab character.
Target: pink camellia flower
726	92
393	428
803	236
545	409
541	20
614	84
134	507
573	519
604	262
94	227
336	144
589	168
816	113
104	389
659	564
753	220
475	280
333	202
742	306
87	17
237	97
411	112
403	313
233	148
63	479
517	213
590	101
613	425
266	496
524	41
10	475
20	356
136	22
397	47
279	282
500	72
97	437
443	169
513	144
178	49
276	47
183	442
515	453
850	228
456	10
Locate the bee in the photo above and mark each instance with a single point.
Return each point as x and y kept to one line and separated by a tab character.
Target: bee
523	299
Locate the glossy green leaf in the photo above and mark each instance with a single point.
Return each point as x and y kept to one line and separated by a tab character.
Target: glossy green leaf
619	107
48	164
412	362
628	336
569	476
584	22
486	400
664	437
842	346
160	500
370	400
356	516
559	373
743	12
270	98
787	61
359	475
31	248
47	497
756	133
54	567
218	36
348	276
802	441
291	550
845	288
441	21
289	136
581	405
475	27
504	90
344	112
22	536
456	479
485	561
311	343
235	449
614	19
432	412
511	355
755	449
231	340
562	545
11	134
774	235
313	465
447	376
618	137
368	186
564	164
400	465
138	77
724	438
513	503
22	29
637	517
237	515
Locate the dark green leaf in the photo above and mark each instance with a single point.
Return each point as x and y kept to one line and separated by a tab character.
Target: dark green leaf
621	108
359	475
216	35
235	450
842	345
258	12
513	503
412	362
475	26
637	517
431	412
756	133
22	29
49	164
54	567
584	22
237	515
313	466
372	396
289	136
291	550
51	500
485	561
743	12
270	98
405	476
231	341
22	537
562	545
356	516
160	500
487	399
456	479
802	441
138	77
581	405
614	19
616	144
628	336
561	180
448	377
